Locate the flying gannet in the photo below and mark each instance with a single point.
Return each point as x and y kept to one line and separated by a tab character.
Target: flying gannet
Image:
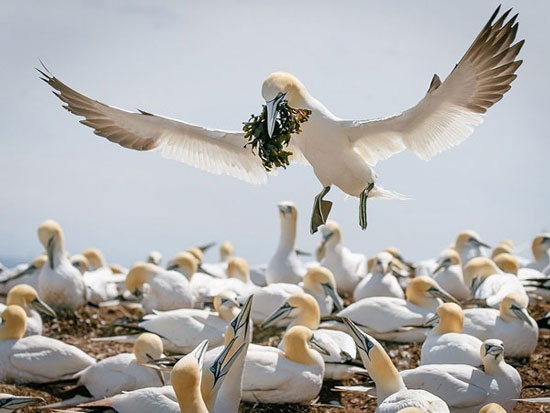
341	152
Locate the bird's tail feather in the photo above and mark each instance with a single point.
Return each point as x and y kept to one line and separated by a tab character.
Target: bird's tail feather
386	194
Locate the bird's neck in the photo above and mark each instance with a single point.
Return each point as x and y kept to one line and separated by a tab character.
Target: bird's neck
542	256
190	400
288	235
307	318
299	352
494	367
386	377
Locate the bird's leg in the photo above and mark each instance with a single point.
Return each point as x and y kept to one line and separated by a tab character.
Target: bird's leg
363	205
321	209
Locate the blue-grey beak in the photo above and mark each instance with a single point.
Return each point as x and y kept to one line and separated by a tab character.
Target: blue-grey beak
272	112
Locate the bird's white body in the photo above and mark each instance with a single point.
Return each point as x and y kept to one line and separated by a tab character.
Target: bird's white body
378	285
452	281
181	330
147	400
465	388
347	267
520	338
285	266
204	285
116	374
267	299
497	286
425	267
167	290
6	283
390	318
101	285
62	286
421	399
270	377
38	359
451	348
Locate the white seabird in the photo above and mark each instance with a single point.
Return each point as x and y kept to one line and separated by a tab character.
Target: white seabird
341	152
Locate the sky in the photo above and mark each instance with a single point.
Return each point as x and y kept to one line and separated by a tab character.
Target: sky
204	62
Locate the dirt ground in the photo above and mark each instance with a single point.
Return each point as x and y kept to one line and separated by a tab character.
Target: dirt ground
77	329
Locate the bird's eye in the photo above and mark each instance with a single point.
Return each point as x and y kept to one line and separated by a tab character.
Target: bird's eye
369	345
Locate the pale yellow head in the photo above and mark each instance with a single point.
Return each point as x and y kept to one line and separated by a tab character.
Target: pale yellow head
514	307
305	310
238	268
425	292
383	262
492	354
296	345
507	263
80	262
197	253
148	347
21	295
154	257
492	408
51	237
282	82
466	238
226	305
14	323
449	256
185	263
139	274
317	276
332	234
502	248
226	251
479	267
95	258
451	318
541	245
39	262
117	269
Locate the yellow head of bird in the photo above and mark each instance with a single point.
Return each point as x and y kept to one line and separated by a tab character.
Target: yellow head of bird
468	238
478	269
541	245
451	318
139	274
282	83
50	232
14	323
148	347
197	253
80	262
226	251
238	268
95	258
507	263
226	305
184	262
424	290
492	408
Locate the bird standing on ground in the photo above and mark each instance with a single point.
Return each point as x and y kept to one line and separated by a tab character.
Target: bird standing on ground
341	152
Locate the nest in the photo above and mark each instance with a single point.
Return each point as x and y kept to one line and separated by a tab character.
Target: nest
271	150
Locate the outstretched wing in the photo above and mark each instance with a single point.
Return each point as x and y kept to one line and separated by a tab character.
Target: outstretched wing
212	150
450	110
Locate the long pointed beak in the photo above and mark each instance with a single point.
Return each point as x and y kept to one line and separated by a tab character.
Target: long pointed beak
200	351
200	268
521	313
430	322
329	291
243	319
43	308
49	251
206	247
476	282
317	345
444	295
222	365
484	245
280	313
28	270
18	402
439	267
357	335
272	112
